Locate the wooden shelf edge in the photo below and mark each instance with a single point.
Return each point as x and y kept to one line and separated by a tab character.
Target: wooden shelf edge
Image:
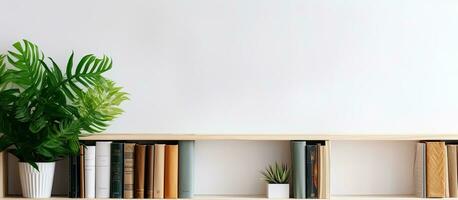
267	137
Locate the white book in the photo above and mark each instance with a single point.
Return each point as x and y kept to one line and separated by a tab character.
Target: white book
89	172
102	169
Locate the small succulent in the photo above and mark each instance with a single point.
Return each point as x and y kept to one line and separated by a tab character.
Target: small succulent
276	173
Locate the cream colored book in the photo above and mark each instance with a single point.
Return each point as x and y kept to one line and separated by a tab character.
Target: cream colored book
420	170
159	161
452	170
435	169
322	177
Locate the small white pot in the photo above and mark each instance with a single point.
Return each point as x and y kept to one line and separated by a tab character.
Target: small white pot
34	183
278	191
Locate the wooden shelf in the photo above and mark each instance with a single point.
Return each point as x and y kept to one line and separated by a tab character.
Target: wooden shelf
259	197
171	136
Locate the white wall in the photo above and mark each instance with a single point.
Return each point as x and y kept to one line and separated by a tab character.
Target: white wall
276	66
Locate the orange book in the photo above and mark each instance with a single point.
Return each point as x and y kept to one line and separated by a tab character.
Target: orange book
171	172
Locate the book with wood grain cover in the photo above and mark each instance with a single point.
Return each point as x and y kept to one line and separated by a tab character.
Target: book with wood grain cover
171	172
159	160
149	171
452	170
435	169
447	194
420	170
139	171
81	172
129	152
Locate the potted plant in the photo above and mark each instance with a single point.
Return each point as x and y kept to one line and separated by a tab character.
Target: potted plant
277	176
44	111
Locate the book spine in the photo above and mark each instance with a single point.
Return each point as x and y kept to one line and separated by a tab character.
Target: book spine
139	172
102	169
73	190
129	151
298	169
311	159
159	159
89	172
322	175
452	170
435	169
81	172
186	169
171	172
419	170
149	171
116	170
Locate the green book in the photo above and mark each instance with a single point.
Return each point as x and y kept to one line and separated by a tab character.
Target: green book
298	168
116	170
185	169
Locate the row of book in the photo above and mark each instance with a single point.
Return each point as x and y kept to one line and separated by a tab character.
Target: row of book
129	170
310	170
436	170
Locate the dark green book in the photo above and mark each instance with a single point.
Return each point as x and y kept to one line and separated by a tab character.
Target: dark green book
116	170
73	190
186	169
312	171
298	169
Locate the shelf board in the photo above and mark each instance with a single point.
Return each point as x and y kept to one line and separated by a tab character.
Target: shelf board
387	197
262	197
172	136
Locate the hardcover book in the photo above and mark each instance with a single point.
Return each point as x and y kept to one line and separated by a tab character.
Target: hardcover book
171	172
81	172
311	171
116	170
102	169
74	176
185	169
89	171
129	149
159	160
420	170
452	170
149	171
435	169
298	169
139	172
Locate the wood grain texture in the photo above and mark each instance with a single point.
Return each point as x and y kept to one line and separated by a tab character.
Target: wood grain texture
435	169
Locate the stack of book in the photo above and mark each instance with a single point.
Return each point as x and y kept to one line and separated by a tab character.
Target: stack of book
436	170
310	170
129	170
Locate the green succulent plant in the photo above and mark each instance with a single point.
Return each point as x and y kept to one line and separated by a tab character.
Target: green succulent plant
276	173
44	111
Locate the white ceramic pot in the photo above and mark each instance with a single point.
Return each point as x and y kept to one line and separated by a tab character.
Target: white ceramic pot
34	183
278	191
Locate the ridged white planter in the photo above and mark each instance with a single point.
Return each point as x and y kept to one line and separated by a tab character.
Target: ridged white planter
34	183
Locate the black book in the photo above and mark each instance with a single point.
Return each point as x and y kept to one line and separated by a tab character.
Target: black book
73	191
116	170
311	176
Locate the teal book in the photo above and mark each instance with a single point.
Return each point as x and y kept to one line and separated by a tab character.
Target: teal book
312	171
185	169
116	170
298	169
